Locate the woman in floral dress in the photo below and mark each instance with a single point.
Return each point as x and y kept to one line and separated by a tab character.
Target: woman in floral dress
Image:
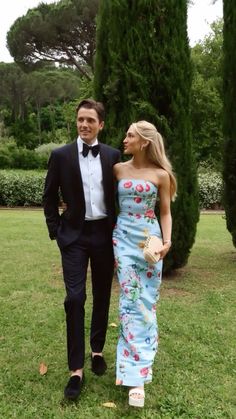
146	177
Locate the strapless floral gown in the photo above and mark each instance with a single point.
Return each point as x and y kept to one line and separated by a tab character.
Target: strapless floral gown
139	282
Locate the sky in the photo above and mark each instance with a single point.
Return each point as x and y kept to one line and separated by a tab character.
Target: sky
200	16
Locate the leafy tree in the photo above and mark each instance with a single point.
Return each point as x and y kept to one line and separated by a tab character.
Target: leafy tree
31	104
149	77
12	87
206	100
207	54
229	128
63	32
47	89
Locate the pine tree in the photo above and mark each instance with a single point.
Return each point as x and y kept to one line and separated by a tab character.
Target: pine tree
143	71
229	126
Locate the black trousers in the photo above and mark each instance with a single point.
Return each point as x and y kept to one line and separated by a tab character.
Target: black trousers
95	244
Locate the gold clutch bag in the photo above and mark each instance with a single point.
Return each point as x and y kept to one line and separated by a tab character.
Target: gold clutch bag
152	248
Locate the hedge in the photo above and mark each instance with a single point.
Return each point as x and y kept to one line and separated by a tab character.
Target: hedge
25	188
21	187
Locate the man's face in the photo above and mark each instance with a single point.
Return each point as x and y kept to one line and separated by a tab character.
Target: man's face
88	124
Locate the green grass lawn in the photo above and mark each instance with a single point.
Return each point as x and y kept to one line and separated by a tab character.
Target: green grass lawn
194	371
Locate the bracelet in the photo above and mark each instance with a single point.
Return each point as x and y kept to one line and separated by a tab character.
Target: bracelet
167	242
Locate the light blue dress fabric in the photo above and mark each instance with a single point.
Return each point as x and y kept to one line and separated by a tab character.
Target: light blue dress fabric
139	282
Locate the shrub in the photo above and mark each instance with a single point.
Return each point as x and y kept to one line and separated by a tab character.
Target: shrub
6	159
25	188
28	159
12	157
210	190
46	149
21	188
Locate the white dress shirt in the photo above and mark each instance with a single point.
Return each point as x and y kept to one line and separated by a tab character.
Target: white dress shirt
91	172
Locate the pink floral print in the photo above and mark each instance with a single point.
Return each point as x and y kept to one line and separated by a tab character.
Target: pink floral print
139	282
128	185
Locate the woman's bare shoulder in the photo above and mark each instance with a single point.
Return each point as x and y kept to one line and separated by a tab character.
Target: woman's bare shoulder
162	172
162	176
120	167
122	164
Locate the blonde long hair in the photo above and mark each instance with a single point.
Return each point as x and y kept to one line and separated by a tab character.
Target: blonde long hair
156	151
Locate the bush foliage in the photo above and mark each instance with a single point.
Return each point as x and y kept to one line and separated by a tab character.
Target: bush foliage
46	149
12	157
25	188
21	187
210	190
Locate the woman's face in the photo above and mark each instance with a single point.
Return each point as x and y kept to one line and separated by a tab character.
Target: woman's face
132	142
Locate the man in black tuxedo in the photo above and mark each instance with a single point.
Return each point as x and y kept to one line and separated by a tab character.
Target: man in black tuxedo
82	172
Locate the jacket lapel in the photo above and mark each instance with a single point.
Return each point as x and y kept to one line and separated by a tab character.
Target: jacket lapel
74	158
106	171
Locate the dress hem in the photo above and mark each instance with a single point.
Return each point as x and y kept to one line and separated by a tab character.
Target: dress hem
140	384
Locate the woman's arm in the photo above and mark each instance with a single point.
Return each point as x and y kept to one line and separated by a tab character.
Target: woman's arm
165	213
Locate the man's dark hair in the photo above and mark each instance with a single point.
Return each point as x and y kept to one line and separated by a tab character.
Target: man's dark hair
92	104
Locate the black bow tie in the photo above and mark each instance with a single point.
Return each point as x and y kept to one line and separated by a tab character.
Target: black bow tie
95	149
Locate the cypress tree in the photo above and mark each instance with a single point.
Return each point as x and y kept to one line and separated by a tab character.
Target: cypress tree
229	125
143	71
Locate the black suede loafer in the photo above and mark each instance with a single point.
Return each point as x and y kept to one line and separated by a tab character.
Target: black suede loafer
73	387
98	364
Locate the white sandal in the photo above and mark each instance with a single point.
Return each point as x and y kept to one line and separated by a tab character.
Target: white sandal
136	401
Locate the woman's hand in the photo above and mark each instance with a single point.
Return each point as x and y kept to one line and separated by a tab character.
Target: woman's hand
63	206
165	250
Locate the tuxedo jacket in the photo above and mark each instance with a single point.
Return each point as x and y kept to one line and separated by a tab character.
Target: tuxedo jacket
64	181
